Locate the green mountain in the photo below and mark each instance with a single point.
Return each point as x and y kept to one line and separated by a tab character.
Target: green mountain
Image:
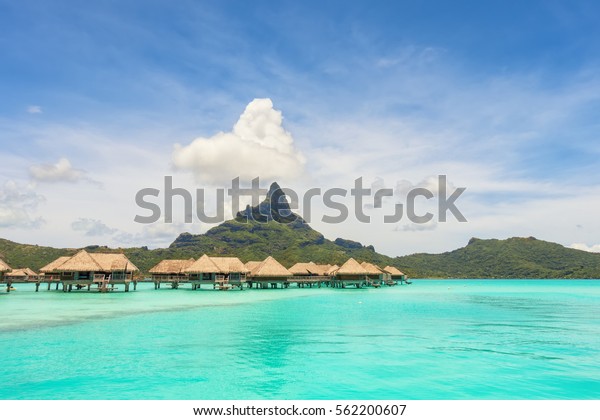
271	228
509	258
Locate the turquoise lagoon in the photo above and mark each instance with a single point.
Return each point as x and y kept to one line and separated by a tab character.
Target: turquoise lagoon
451	339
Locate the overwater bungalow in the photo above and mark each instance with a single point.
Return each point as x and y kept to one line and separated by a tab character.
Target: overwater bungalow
374	273
351	273
221	272
309	274
4	268
309	269
251	265
302	269
170	271
232	271
21	275
333	270
202	271
269	273
50	271
394	275
322	269
90	269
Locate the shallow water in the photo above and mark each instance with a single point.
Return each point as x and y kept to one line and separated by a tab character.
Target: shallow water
459	339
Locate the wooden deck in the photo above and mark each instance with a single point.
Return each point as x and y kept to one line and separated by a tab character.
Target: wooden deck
174	282
94	285
218	283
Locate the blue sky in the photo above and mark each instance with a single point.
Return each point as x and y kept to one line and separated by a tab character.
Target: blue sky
102	99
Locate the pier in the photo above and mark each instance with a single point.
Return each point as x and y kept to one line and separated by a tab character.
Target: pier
55	283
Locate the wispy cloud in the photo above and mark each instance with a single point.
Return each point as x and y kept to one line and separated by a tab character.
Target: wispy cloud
17	203
154	235
158	234
61	171
586	247
417	227
92	227
34	109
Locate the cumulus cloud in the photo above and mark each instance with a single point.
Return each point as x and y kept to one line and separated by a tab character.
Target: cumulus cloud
16	204
258	145
62	171
585	247
92	227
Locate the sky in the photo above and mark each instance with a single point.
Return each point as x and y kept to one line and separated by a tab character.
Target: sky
103	99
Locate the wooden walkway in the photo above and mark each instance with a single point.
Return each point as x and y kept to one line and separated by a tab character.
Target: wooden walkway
95	285
174	282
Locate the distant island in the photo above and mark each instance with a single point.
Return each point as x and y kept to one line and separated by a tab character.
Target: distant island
293	242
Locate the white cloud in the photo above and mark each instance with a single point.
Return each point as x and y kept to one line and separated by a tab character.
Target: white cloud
431	183
258	145
157	234
34	109
57	172
154	235
585	247
14	217
92	227
16	204
417	227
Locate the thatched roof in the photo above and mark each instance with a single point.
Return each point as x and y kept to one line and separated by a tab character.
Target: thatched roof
333	270
171	266
270	267
303	269
82	261
371	268
52	267
229	265
22	272
322	269
251	265
204	264
4	267
114	262
393	271
310	268
101	262
352	267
